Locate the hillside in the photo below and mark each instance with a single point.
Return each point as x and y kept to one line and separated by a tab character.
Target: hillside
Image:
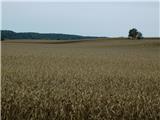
7	34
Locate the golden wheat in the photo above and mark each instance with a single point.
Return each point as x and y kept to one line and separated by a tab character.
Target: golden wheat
89	80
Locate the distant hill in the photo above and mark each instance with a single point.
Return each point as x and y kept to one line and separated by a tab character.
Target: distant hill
8	34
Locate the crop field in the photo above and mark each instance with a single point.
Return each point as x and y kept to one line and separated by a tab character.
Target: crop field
87	80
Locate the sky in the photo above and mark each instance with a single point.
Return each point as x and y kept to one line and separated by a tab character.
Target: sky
92	18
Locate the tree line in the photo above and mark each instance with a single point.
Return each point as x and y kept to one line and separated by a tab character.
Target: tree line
7	34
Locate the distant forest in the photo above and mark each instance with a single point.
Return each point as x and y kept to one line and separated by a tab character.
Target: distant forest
8	34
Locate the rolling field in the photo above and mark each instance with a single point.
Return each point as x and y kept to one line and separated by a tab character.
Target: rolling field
88	80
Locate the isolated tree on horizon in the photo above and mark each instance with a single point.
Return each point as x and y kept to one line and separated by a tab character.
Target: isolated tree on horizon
135	34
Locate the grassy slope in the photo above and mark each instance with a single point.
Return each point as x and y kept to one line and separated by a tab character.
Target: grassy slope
114	79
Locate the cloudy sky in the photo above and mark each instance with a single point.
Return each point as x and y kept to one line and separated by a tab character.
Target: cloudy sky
93	18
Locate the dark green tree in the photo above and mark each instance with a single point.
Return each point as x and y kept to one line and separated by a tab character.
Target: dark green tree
135	34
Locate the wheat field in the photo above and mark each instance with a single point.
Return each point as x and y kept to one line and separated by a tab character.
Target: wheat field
88	80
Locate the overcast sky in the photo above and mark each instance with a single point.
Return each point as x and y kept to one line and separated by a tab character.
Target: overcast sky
110	19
